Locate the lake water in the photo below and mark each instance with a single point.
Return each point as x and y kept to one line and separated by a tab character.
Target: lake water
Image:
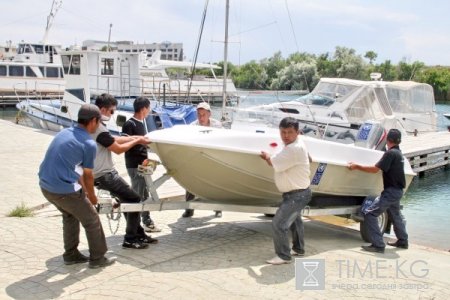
426	204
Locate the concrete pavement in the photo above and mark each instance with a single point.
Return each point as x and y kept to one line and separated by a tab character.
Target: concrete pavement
198	258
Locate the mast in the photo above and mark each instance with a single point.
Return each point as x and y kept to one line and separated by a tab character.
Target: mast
225	58
56	4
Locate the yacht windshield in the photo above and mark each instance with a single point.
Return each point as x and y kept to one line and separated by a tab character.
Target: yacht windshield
331	91
313	99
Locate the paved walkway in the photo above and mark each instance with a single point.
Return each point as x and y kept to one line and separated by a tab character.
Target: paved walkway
198	258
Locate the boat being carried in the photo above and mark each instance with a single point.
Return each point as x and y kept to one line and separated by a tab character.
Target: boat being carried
337	107
224	166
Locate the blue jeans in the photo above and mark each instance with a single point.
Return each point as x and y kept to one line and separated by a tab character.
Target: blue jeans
390	202
288	216
139	185
119	188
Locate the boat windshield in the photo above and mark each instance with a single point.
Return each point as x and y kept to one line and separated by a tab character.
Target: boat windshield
329	92
313	99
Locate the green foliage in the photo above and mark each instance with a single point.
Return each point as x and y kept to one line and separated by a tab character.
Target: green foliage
21	211
296	76
371	55
439	79
407	71
302	70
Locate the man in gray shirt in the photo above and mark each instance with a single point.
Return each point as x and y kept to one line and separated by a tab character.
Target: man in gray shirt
107	178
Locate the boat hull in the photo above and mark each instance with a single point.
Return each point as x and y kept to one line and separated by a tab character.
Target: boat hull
237	174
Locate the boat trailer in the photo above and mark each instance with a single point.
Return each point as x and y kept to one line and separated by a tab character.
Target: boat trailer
111	206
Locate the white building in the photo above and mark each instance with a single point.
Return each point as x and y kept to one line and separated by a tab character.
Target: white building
169	51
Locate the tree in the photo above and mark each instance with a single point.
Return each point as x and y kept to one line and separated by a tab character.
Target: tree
349	65
371	55
407	71
296	76
272	66
325	66
250	76
387	70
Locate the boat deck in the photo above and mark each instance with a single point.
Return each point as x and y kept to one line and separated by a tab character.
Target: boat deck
427	151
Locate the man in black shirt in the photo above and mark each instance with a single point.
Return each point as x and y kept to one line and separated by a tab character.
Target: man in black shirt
393	182
136	126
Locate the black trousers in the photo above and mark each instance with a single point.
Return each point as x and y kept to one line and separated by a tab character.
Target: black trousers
119	188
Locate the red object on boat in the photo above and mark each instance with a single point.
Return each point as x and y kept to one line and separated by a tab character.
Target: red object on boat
273	144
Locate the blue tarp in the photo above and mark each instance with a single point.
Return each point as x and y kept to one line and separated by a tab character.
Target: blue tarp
176	114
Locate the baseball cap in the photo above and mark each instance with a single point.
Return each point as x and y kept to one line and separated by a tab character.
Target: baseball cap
204	105
395	136
88	111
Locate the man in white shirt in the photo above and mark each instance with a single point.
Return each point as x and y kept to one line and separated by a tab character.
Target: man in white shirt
291	166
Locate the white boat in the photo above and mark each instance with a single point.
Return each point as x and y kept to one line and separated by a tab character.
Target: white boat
36	68
91	73
337	107
223	165
155	79
447	115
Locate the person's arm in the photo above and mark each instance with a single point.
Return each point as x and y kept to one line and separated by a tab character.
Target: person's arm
264	155
368	169
87	182
124	143
119	145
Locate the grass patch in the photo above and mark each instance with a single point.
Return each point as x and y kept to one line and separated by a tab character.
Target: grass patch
21	211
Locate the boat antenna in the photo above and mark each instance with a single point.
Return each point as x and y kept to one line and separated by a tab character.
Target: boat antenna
109	37
197	49
56	4
225	59
292	25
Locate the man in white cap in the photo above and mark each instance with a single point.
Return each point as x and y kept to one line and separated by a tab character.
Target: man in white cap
203	119
204	116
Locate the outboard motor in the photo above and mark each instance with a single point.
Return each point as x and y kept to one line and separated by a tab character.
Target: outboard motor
371	135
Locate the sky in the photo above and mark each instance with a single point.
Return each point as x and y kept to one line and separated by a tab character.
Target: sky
397	30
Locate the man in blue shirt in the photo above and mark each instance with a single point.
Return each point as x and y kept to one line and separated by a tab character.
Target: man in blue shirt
66	180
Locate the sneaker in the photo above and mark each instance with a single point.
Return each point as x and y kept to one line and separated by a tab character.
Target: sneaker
278	261
102	262
134	245
218	214
297	253
372	248
76	258
188	213
151	228
148	240
399	244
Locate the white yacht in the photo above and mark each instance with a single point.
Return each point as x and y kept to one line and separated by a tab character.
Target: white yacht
156	80
337	107
91	73
36	69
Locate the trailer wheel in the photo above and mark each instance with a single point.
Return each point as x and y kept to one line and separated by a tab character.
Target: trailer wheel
383	221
